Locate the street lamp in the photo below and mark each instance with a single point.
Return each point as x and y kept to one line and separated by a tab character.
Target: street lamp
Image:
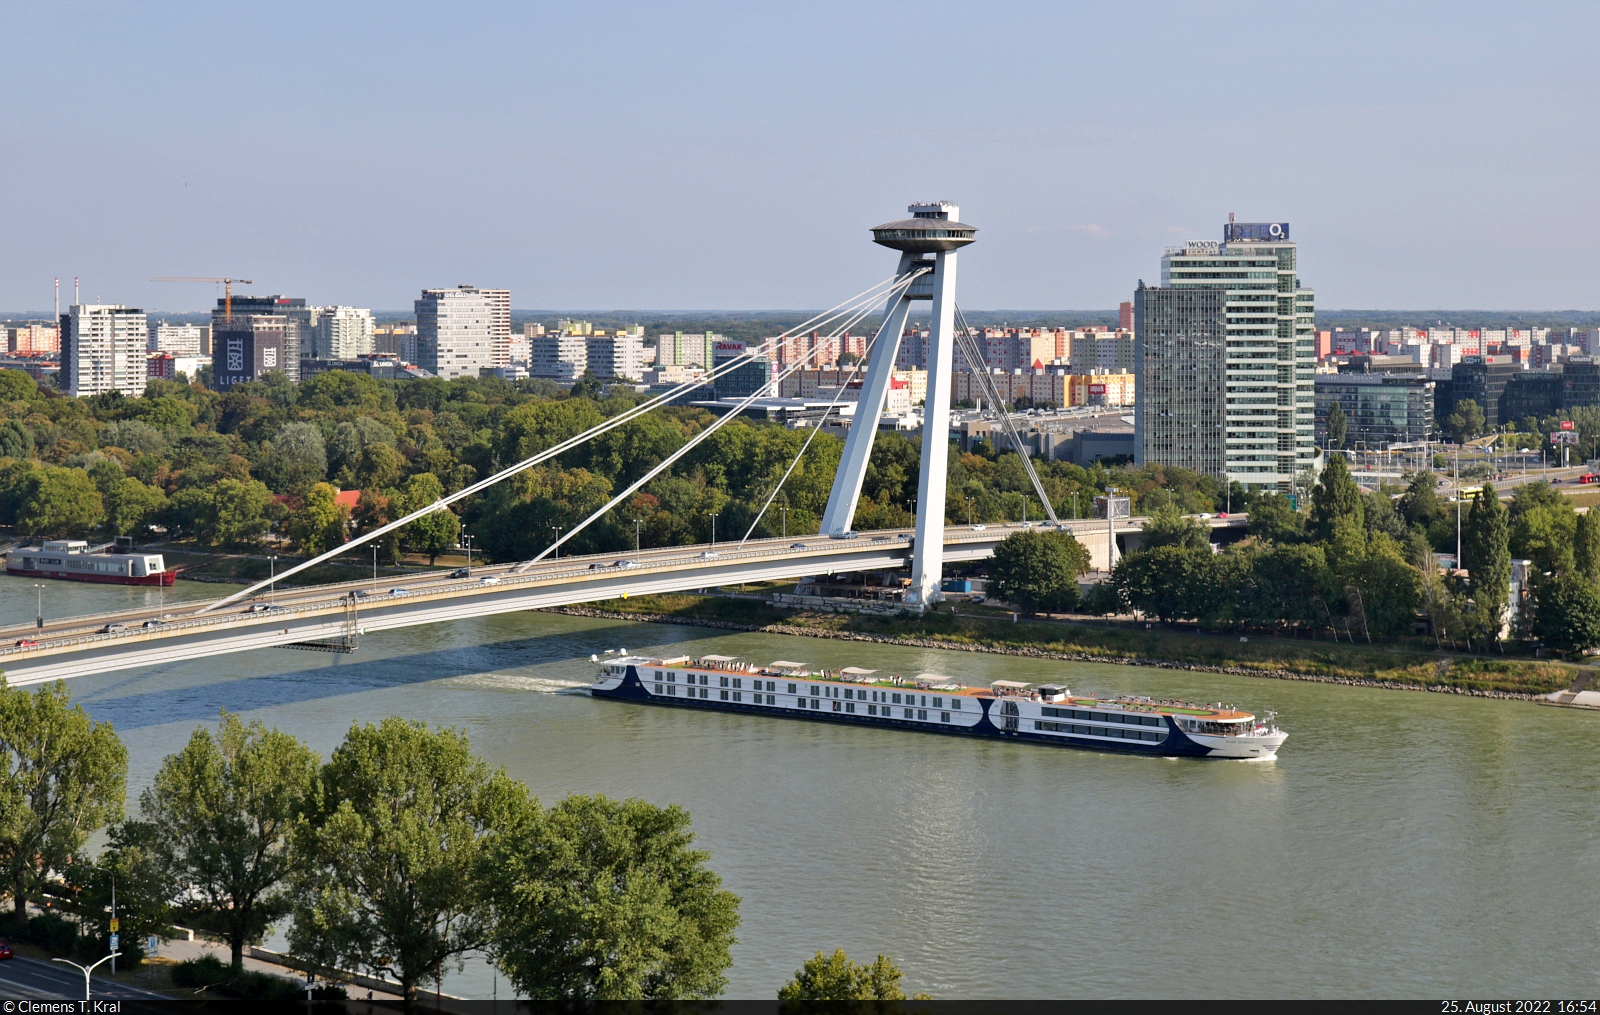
785	512
714	527
87	969
636	523
467	539
39	619
555	534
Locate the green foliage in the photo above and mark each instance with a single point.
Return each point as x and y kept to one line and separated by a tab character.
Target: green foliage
1038	570
1586	545
433	533
1486	554
228	513
1567	613
58	502
1338	423
131	506
17	386
294	459
1335	497
217	979
54	933
1272	519
321	523
400	824
604	899
61	779
1465	421
1543	527
134	865
1167	526
837	978
1169	582
226	805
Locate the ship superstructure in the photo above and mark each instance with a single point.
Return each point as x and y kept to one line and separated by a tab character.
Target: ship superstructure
76	560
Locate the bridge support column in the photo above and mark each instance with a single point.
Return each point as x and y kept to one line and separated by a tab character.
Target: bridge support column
927	556
874	390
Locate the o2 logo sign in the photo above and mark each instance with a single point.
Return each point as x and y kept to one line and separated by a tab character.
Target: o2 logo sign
1257	230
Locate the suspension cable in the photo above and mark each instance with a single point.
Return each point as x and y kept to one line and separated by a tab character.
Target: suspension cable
697	438
975	358
874	293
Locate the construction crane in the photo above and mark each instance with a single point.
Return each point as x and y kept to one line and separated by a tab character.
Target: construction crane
227	284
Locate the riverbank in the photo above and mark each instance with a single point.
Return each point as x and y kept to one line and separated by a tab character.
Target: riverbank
1280	658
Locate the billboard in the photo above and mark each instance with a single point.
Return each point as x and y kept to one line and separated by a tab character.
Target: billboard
1255	231
1566	424
727	349
1097	389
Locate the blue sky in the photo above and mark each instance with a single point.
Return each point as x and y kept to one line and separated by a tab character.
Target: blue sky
732	155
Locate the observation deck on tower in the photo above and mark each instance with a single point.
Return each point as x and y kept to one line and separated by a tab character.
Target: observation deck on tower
932	229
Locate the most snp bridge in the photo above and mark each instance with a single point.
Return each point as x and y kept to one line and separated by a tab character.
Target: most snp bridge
337	614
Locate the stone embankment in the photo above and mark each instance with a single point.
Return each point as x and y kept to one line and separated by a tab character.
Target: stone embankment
1028	651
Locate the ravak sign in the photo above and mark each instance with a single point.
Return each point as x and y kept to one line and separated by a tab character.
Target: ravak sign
1235	231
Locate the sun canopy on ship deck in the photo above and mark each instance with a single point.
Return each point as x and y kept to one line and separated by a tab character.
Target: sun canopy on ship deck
718	659
1008	684
934	678
785	664
856	671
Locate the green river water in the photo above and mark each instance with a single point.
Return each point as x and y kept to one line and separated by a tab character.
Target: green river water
1403	844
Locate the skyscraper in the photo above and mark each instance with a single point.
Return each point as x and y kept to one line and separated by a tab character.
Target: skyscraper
103	349
455	331
244	348
299	322
1230	325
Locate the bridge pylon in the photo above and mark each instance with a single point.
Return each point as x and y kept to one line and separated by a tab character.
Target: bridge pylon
927	242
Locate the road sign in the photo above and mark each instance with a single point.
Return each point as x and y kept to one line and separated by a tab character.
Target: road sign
115	925
151	946
115	939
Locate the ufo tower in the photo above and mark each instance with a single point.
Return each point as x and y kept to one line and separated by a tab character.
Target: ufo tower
928	242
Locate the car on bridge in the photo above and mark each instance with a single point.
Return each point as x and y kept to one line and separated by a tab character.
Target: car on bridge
154	623
27	643
263	608
709	555
399	592
489	579
798	546
461	572
113	628
626	563
358	593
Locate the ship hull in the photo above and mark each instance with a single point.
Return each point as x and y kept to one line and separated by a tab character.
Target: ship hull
163	578
1175	744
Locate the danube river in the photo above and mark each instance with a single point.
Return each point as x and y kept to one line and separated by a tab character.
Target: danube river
1403	844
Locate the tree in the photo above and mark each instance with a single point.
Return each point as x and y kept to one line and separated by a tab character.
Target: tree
243	512
1338	422
131	505
1038	570
1272	519
1486	554
1335	497
320	523
1586	545
61	779
1420	504
836	978
433	533
605	899
1168	582
226	805
59	502
1567	613
1167	526
135	867
392	880
1465	421
294	459
1543	527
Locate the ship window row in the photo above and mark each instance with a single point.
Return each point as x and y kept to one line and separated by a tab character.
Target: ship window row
1075	713
1095	731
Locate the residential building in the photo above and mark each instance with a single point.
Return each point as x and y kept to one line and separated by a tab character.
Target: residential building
558	355
1380	409
1125	316
33	339
499	325
299	322
1225	356
344	333
520	354
103	347
531	329
678	349
455	331
177	339
619	356
167	367
1096	349
246	347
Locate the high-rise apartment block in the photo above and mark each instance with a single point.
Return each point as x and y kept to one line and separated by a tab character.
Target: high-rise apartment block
395	338
103	349
499	325
343	333
616	357
678	349
455	330
33	339
1125	316
177	339
558	356
1225	357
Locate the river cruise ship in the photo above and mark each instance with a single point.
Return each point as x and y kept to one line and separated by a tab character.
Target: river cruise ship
927	702
75	560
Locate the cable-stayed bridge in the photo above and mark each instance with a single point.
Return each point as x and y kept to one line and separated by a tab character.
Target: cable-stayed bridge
334	616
